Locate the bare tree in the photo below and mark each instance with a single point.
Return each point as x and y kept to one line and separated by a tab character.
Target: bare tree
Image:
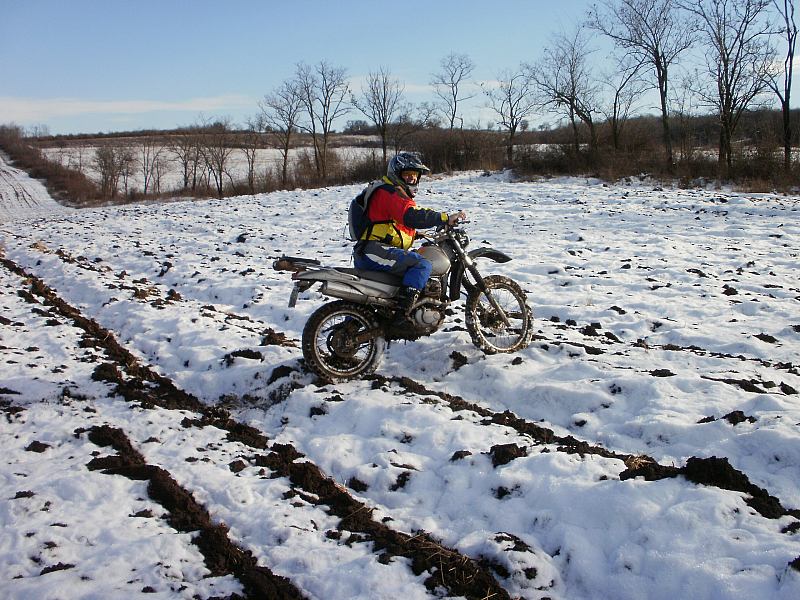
788	29
409	121
652	31
737	62
216	147
149	151
250	141
513	101
565	84
683	102
109	161
127	160
447	85
323	91
281	112
626	86
381	101
37	131
185	148
160	168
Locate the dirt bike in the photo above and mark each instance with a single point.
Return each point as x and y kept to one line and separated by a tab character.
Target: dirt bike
345	339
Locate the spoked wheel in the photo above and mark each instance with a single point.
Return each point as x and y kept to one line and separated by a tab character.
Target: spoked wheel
341	341
505	330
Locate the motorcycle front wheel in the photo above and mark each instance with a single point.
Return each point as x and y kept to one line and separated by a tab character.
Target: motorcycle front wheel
331	344
491	331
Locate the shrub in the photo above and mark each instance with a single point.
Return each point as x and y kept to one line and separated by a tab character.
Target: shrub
63	184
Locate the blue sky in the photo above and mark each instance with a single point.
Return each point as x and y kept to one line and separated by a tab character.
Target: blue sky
110	65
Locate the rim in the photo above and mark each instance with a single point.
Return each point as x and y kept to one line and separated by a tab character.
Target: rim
490	325
334	348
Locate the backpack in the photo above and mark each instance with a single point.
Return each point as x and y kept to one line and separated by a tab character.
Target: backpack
357	221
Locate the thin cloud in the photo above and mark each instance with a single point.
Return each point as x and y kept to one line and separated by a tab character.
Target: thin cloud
37	109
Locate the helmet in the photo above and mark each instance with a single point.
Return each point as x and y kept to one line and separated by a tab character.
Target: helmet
406	161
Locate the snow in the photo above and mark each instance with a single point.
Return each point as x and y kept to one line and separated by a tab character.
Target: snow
22	196
650	304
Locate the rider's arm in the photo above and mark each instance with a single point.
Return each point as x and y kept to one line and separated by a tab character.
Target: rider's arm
422	218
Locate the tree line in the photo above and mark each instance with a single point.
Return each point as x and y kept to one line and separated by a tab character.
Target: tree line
747	49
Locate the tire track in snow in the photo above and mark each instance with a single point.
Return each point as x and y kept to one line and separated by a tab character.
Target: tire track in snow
145	291
610	341
763	502
22	196
185	514
713	471
222	556
446	567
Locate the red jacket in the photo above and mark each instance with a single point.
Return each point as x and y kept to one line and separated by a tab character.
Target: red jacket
396	217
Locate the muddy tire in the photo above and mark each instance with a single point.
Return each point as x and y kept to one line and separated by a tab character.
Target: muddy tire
486	326
329	345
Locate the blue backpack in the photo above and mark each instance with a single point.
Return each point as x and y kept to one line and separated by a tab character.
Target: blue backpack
357	221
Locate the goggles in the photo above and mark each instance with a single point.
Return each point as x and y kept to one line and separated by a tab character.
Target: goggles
410	177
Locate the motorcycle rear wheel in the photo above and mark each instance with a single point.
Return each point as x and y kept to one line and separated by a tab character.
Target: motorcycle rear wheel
486	326
329	346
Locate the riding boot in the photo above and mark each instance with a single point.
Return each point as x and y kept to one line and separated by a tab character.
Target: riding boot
406	299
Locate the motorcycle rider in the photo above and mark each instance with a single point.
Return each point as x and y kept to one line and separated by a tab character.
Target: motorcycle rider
395	217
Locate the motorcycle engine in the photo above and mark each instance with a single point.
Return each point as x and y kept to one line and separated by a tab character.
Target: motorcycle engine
428	316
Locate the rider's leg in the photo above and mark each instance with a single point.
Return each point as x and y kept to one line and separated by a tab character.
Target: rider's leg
414	269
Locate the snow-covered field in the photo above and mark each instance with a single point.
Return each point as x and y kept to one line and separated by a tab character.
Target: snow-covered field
667	327
21	196
268	162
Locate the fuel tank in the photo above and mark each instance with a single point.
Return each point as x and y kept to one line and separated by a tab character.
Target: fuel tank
437	257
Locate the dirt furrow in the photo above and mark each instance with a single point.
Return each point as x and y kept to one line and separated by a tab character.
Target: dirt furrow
185	514
712	472
447	568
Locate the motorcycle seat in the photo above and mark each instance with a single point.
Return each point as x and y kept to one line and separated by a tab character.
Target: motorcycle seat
379	276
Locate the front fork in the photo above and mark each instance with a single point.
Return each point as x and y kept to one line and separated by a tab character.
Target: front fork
469	263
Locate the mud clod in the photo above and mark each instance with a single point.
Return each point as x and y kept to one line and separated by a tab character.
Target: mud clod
459	455
37	446
766	338
401	481
714	472
272	338
279	373
662	373
237	466
58	567
737	416
459	360
357	485
504	453
231	357
787	389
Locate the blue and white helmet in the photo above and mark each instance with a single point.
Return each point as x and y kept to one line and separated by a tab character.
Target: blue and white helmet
406	161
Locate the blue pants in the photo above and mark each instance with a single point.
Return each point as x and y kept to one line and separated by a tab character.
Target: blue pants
374	256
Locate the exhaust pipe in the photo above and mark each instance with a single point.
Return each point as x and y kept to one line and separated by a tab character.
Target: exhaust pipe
347	292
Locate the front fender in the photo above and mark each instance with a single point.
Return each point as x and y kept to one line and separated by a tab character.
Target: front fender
490	253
